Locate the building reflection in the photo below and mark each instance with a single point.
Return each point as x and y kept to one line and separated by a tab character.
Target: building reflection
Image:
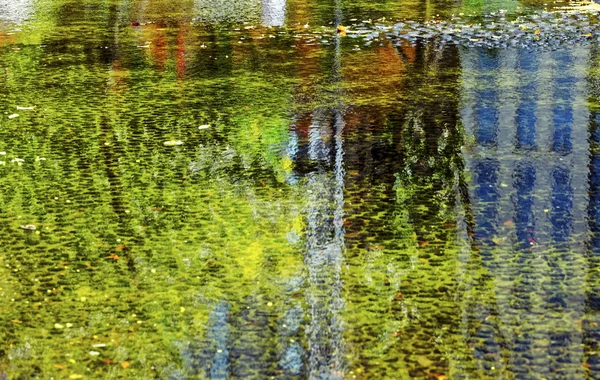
527	191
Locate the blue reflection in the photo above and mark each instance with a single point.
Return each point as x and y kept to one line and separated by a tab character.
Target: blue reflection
486	99
526	120
487	195
562	205
562	114
219	331
524	177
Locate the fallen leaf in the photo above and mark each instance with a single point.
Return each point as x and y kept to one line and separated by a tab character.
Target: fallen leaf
113	256
107	361
16	321
537	31
438	376
509	223
424	361
423	244
59	366
76	376
498	240
120	247
125	364
28	227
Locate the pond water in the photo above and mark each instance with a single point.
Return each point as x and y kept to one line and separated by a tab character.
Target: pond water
234	189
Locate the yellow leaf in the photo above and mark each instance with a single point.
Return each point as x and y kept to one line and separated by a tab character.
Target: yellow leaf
424	361
125	364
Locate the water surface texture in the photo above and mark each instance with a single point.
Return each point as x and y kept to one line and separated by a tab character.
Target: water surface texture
228	189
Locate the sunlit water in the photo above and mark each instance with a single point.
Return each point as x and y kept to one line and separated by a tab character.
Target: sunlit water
232	189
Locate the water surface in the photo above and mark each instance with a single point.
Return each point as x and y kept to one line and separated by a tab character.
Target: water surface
232	189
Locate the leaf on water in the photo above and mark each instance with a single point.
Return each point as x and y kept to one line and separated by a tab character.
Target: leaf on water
173	143
424	361
204	127
341	30
438	376
509	223
125	364
498	240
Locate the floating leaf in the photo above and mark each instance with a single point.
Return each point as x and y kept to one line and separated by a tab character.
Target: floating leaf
438	376
424	361
498	240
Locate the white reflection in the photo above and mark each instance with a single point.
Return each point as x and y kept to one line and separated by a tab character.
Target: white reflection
15	11
273	12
